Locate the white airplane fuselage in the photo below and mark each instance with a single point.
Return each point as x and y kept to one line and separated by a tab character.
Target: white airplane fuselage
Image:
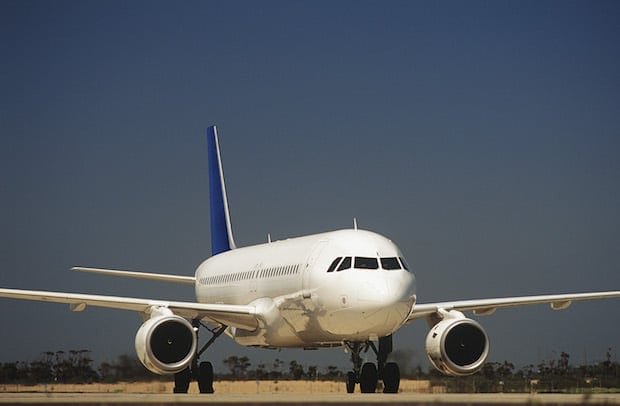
306	293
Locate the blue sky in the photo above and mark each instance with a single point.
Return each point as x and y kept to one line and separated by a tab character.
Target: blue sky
483	137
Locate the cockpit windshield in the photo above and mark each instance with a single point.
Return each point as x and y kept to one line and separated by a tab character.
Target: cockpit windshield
387	263
346	264
405	264
334	264
366	263
390	263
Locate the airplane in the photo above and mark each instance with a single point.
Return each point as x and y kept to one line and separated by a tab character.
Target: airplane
348	288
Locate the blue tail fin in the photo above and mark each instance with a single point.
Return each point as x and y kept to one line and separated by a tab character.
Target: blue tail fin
221	229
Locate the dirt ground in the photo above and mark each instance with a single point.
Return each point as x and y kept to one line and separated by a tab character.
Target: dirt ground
223	387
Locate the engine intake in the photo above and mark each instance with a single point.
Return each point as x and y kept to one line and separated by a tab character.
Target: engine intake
166	344
457	346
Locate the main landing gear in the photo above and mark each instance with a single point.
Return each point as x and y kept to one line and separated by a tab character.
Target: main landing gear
368	374
203	372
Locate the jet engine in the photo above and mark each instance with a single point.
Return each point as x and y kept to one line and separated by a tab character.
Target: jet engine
457	346
166	344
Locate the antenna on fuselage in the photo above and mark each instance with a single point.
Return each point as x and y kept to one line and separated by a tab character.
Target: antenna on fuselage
269	238
354	223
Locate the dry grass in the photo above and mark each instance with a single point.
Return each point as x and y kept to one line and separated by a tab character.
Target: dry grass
240	387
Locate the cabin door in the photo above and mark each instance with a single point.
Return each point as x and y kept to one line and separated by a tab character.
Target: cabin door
307	269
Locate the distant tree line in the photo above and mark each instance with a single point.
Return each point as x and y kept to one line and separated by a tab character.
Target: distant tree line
555	375
75	366
60	366
240	368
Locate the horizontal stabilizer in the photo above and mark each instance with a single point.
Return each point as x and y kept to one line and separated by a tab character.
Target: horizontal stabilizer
189	280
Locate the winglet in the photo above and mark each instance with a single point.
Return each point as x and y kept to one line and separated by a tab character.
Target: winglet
221	229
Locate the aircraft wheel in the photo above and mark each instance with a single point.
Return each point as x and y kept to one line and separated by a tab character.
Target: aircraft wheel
391	378
205	377
368	378
351	382
181	381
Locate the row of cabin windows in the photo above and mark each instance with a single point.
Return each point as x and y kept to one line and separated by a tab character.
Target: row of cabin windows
387	263
240	276
279	271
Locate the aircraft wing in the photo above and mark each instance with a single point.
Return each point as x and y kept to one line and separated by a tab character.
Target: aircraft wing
483	307
243	317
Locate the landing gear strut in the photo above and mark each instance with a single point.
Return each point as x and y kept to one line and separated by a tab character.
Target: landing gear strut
368	374
203	372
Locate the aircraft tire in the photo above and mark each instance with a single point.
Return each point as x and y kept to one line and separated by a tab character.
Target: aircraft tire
205	377
391	378
182	380
368	378
351	382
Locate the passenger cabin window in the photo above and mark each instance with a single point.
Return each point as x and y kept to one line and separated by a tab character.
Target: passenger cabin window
346	264
390	263
334	264
366	263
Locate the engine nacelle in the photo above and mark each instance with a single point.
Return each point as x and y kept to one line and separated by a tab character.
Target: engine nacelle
166	344
457	346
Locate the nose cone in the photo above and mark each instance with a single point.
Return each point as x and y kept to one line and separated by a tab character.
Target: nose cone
373	292
401	285
401	294
386	299
387	288
378	304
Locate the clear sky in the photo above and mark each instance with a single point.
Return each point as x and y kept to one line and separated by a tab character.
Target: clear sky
482	137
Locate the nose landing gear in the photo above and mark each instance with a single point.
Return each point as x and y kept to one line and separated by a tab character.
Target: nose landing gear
368	374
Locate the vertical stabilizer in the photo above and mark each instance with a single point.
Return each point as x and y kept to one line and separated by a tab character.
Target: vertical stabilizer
221	229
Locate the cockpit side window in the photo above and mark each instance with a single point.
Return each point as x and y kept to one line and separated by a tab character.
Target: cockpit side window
390	263
405	264
346	264
366	263
334	264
